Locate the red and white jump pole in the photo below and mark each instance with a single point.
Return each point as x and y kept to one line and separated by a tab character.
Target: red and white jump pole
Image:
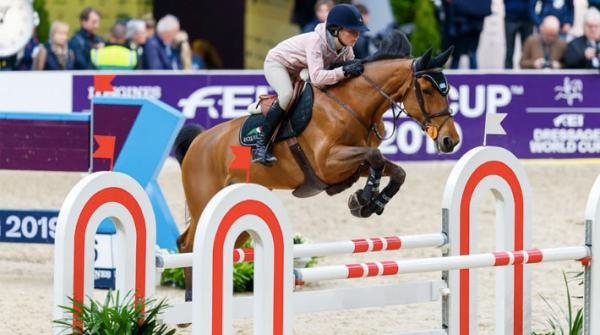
355	246
97	197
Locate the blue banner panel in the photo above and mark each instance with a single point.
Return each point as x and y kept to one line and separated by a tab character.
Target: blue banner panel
549	114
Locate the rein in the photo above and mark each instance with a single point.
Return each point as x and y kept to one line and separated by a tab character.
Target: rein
397	109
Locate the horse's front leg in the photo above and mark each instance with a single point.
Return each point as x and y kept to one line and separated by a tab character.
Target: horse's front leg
369	200
397	176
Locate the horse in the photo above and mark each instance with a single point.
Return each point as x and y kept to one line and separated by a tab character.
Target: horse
340	142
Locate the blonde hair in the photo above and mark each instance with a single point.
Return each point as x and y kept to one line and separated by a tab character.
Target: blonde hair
58	25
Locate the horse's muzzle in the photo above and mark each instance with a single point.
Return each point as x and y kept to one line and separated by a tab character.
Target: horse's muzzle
446	144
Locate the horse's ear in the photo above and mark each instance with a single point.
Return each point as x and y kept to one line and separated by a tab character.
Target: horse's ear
422	63
441	59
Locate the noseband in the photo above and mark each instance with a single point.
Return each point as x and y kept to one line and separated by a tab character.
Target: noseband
426	125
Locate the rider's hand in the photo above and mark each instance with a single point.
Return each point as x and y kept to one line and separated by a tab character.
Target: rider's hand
353	69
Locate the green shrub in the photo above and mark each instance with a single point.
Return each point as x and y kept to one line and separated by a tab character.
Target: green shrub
43	28
115	316
173	278
421	13
561	321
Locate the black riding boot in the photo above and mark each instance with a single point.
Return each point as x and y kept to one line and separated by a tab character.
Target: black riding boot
262	152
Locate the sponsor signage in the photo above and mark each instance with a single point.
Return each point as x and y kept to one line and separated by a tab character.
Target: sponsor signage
549	115
39	226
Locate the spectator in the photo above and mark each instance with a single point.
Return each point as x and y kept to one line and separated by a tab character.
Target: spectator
116	55
117	34
182	45
25	56
136	37
564	10
364	45
86	39
205	55
462	26
159	53
516	21
150	24
322	8
55	55
546	49
582	52
303	12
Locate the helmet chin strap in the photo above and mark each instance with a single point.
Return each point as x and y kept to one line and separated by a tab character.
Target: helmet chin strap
338	40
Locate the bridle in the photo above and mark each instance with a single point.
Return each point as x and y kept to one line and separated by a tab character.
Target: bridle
397	109
426	125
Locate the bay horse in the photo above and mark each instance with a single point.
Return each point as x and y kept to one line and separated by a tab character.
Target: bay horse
340	142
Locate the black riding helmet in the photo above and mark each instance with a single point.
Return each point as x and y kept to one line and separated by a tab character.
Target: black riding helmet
345	16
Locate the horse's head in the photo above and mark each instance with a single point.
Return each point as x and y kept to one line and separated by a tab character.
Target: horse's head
426	100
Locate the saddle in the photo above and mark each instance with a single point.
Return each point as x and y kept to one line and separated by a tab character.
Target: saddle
295	121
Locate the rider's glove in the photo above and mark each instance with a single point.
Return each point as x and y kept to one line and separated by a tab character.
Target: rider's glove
353	69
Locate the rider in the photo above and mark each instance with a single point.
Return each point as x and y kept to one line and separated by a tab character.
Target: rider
330	43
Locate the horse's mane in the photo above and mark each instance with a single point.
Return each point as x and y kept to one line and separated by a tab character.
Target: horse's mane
393	44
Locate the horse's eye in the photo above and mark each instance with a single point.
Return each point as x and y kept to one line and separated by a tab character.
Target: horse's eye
428	91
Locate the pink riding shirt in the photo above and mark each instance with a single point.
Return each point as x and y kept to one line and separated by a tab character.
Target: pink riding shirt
311	50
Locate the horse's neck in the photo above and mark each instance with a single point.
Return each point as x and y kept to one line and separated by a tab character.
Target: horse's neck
392	77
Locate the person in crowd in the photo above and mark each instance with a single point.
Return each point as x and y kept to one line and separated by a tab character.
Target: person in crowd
150	24
159	53
544	50
136	39
25	57
322	8
364	46
116	54
462	26
330	43
583	52
564	10
117	34
303	12
55	54
86	38
516	21
182	45
205	55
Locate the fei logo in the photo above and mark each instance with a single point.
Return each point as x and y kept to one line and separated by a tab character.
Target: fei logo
231	100
569	91
569	120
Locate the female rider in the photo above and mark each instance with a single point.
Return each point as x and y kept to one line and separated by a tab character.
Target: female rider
330	43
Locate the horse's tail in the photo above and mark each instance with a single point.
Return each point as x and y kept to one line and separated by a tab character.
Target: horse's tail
184	139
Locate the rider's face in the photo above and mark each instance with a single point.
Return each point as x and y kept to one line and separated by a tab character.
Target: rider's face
348	37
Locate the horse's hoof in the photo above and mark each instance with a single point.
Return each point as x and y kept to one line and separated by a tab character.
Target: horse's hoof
356	200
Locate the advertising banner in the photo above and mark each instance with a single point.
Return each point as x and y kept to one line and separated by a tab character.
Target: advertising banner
549	115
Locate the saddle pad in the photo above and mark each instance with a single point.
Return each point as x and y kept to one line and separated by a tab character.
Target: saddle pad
292	125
